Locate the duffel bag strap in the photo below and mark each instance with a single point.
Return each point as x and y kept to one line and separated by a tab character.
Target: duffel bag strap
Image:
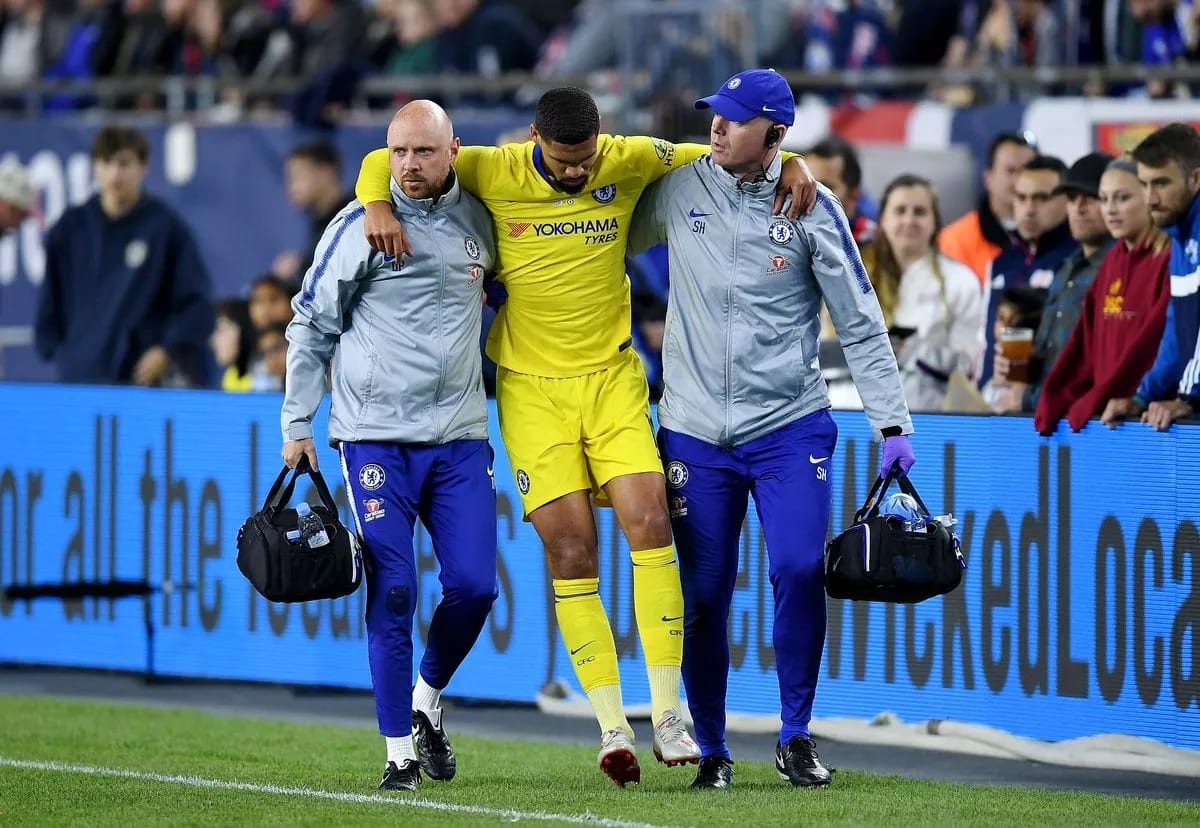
280	495
875	497
908	488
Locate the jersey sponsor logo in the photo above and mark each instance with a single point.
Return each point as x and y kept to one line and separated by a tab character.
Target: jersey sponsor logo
475	272
779	264
677	474
666	151
371	476
472	247
372	509
781	232
522	481
135	253
581	227
605	194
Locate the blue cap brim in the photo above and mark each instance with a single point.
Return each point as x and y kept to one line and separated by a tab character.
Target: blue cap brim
727	108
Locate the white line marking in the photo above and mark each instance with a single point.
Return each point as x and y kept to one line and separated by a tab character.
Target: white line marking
507	814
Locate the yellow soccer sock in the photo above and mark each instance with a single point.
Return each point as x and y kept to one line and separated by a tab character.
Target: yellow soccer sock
658	604
586	632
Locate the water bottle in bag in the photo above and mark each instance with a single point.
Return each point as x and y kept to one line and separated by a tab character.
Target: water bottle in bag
312	530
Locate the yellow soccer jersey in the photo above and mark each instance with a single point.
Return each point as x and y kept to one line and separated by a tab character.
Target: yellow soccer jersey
561	257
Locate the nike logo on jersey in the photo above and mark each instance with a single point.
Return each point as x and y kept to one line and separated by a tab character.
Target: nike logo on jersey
673	618
694	213
581	646
815	460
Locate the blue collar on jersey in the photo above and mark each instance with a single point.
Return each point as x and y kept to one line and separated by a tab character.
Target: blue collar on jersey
539	164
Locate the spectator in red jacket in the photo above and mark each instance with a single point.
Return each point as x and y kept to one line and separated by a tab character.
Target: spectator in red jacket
1117	337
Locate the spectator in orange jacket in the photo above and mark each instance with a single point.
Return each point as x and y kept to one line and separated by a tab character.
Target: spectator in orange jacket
1117	337
976	238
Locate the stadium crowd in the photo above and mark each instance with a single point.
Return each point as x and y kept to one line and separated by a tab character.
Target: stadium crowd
673	48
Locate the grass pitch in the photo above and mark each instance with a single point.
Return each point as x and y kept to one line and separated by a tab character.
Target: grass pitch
84	763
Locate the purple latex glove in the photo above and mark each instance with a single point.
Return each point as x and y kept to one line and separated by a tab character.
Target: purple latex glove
897	454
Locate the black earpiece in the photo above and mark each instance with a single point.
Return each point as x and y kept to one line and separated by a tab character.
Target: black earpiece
772	137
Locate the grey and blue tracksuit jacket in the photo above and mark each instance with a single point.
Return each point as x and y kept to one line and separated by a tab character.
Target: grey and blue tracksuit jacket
741	344
401	336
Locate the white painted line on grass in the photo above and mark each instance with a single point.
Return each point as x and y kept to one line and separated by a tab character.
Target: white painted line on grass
402	801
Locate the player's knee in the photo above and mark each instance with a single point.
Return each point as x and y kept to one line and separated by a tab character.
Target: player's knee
649	527
572	556
478	591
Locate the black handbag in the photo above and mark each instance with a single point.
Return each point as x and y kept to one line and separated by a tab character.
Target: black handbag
288	571
878	559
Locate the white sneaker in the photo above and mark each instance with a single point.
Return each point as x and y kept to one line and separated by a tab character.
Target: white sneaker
672	743
617	759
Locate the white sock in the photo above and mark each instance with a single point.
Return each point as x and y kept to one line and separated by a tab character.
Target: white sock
399	748
425	698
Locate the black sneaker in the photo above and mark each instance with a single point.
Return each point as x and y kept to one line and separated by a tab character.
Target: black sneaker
797	762
404	777
714	772
433	748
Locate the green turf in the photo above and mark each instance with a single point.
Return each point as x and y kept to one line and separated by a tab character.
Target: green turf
524	776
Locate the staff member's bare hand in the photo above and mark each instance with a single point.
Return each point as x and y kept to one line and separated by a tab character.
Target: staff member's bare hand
384	232
796	180
293	450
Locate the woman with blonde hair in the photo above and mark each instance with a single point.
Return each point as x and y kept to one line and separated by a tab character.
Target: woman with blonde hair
932	304
1116	339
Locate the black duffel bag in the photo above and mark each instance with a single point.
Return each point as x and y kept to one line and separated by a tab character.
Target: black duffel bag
288	571
879	559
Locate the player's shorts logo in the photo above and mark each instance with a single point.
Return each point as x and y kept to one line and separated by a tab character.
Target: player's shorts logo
605	194
522	481
677	474
371	476
472	247
781	232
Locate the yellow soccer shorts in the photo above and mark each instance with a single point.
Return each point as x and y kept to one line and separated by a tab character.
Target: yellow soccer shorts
575	434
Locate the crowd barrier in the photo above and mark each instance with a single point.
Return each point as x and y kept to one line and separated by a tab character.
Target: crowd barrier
1079	613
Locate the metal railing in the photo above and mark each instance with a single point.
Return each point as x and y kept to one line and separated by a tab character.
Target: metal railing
176	95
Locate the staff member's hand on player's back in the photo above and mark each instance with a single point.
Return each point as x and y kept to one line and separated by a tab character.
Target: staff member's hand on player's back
384	232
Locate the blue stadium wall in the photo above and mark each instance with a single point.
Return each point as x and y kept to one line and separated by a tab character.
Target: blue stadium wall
1080	612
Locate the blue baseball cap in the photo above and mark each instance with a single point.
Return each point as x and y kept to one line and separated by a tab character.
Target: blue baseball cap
753	93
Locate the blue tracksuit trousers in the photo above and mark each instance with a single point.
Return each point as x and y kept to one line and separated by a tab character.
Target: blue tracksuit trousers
787	472
450	489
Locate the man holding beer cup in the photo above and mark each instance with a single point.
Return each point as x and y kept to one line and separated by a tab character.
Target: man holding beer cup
1025	355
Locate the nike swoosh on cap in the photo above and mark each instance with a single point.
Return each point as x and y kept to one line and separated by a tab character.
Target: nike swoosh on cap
815	460
693	214
768	109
